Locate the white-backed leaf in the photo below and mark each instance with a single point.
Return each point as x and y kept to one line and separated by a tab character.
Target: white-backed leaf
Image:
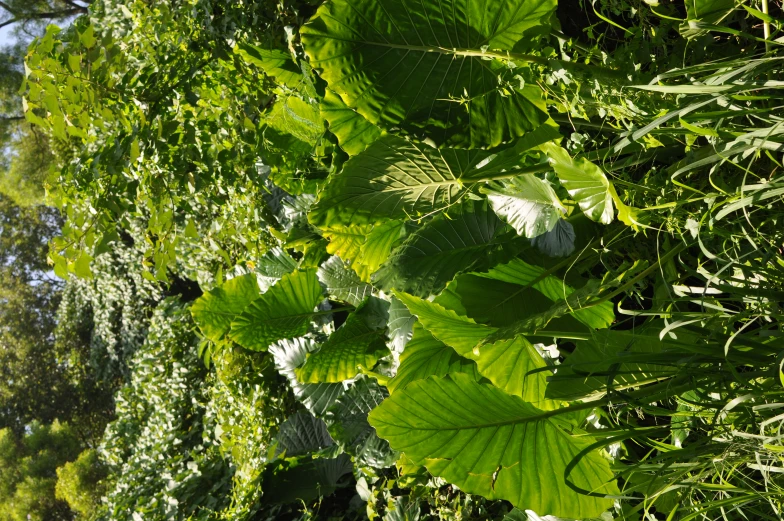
526	203
342	282
302	433
290	354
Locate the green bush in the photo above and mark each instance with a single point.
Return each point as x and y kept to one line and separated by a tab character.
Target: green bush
79	483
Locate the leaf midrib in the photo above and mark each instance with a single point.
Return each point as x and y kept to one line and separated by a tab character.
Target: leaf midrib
455	51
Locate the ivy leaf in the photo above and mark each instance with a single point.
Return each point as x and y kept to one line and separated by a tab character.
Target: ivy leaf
358	343
297	118
426	67
282	312
354	132
526	203
472	238
506	363
426	356
395	178
490	443
584	181
214	310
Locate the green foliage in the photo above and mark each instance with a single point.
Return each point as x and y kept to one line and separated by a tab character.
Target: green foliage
79	483
428	73
28	471
524	250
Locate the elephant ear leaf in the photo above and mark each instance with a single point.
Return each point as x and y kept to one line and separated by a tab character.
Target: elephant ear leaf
490	443
432	68
470	238
513	365
214	311
282	312
356	344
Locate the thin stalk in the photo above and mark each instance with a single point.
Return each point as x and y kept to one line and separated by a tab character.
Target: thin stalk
536	169
766	26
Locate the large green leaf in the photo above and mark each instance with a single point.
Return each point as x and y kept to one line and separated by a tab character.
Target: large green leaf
376	249
470	238
428	67
426	356
303	479
506	363
497	303
290	354
214	311
282	312
584	181
364	247
346	241
348	424
354	132
708	12
342	282
396	178
357	344
527	276
610	360
526	203
302	433
494	444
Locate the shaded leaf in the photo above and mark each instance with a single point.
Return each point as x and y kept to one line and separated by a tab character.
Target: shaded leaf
471	238
302	433
424	66
304	480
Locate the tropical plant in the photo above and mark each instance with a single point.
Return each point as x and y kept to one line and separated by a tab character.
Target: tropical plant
454	256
